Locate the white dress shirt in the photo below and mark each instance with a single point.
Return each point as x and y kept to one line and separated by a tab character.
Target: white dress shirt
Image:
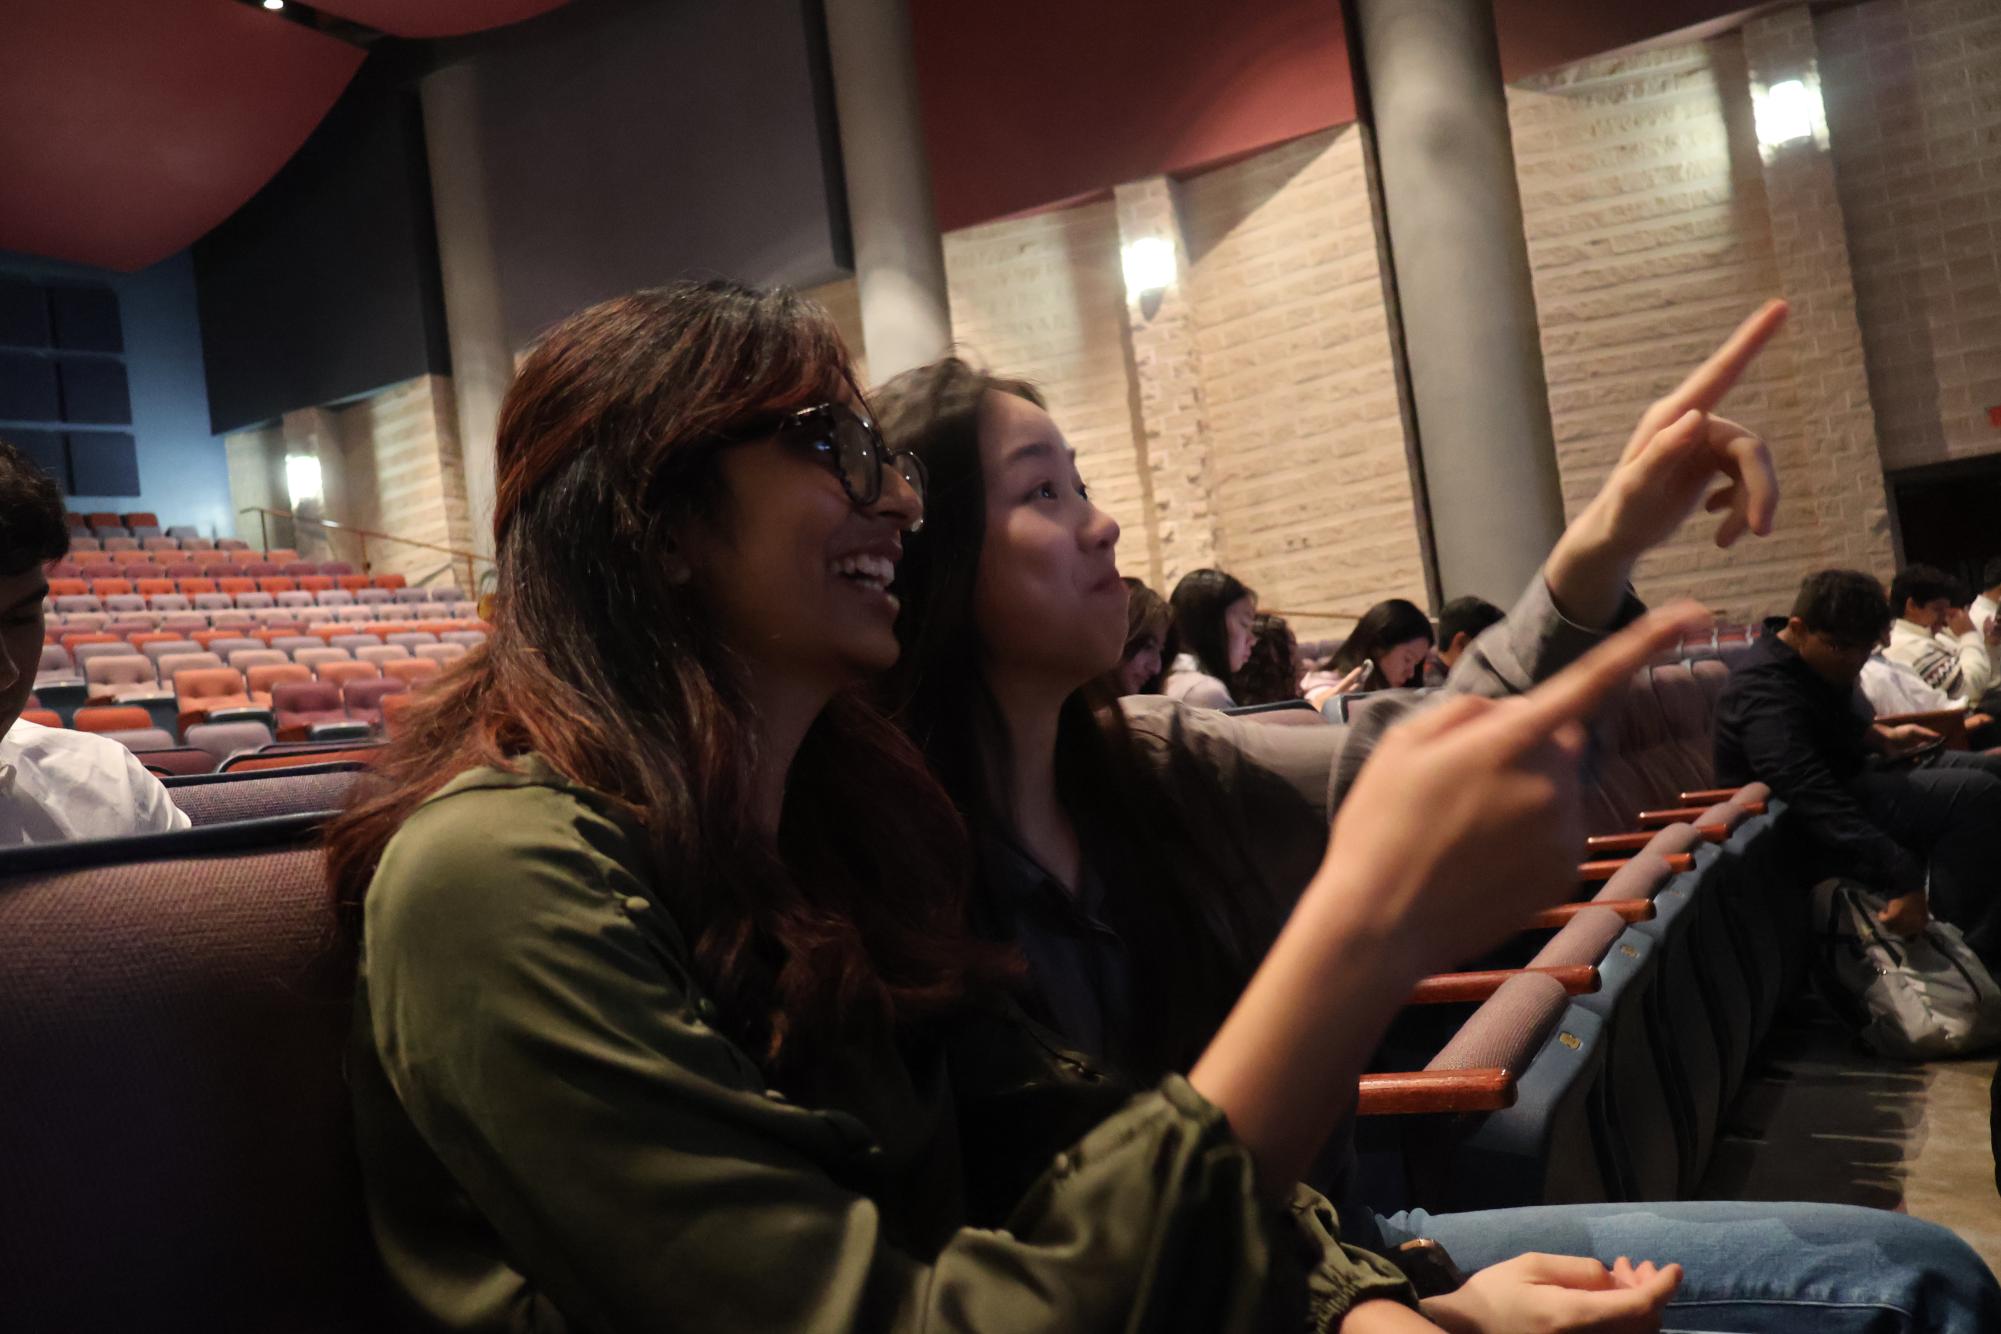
59	786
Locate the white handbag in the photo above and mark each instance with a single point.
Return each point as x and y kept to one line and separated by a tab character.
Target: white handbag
1915	997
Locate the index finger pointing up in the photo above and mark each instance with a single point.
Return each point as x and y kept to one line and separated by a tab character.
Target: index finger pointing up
1708	383
1575	693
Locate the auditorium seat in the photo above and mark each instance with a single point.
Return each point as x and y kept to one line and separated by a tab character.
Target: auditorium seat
258	601
410	638
122	678
42	717
147	588
442	654
243	659
83	654
111	718
144	741
201	691
291	644
353	615
235	585
123	543
55	666
171	601
180	760
276	583
414	671
470	638
354	583
213	799
160	645
372	597
281	555
110	587
320	656
160	544
294	598
389	581
340	673
225	739
354	642
364	698
183	530
315	584
335	568
207	598
300	570
300	705
381	654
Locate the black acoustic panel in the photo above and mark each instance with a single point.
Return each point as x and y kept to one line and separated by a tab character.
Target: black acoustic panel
94	391
44	449
103	463
28	388
86	319
24	314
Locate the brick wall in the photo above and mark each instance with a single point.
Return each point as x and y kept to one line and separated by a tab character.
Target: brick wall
1041	297
389	463
1313	492
1650	236
1913	96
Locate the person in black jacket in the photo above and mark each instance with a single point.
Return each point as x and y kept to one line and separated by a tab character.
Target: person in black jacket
1881	804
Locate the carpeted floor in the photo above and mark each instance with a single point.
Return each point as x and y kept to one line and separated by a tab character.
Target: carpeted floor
1820	1118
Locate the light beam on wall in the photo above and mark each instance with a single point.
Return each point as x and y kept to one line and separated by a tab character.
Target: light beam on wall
1149	266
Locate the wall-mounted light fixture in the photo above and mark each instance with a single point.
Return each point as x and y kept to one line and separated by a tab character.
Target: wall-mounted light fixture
1788	112
1149	266
302	478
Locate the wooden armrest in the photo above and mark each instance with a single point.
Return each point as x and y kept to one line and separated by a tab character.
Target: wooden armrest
1591	872
1708	797
1629	910
1662	819
1950	724
1416	1092
1461	988
1633	842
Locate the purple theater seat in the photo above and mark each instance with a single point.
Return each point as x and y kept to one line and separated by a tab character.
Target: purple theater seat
178	1149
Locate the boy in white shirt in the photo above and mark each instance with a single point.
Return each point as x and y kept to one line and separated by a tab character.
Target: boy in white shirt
56	786
1936	638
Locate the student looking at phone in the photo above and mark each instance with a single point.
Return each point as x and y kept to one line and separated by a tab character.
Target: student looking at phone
1882	803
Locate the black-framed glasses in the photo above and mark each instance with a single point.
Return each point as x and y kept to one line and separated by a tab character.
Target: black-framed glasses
850	444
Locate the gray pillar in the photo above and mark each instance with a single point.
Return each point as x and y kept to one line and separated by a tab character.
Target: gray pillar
899	260
1432	77
482	361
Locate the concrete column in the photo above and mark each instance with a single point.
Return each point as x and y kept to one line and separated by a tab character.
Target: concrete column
1170	409
899	260
482	360
1430	71
1843	489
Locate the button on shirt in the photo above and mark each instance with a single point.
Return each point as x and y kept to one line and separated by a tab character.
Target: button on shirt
59	786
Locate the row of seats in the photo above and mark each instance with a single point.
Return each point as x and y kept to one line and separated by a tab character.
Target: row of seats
151	583
1593	1059
385	604
167	545
115	551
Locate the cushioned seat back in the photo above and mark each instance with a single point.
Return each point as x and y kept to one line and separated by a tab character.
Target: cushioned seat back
228	798
1690	714
176	1137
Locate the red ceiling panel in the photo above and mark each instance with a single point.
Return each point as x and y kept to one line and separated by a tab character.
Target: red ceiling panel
1031	102
130	127
435	18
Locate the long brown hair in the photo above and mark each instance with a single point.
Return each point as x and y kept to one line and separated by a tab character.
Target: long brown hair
1193	930
617	676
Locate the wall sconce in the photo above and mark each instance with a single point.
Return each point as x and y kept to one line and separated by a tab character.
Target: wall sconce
1788	112
1149	266
302	478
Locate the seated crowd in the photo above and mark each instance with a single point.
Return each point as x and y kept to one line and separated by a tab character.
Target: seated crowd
869	912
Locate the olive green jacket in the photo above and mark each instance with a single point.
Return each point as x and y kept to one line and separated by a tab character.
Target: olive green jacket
556	1138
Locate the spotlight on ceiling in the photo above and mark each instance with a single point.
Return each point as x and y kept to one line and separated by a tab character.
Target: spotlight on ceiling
274	5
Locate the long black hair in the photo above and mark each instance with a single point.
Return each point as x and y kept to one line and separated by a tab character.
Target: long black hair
1199	601
1381	629
1192	941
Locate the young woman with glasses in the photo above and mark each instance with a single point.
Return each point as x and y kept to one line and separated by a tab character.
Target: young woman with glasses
669	1016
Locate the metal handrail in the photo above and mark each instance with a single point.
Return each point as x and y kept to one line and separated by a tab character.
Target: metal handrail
265	514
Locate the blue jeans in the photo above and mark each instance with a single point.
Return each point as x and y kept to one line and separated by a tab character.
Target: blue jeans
1750	1268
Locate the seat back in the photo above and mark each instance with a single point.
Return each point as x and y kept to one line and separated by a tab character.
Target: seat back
120	669
176	1135
270	677
211	799
341	673
223	740
112	718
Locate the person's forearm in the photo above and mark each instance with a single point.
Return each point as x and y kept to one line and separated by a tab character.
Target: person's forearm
1383	1317
1287	1058
1587	571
